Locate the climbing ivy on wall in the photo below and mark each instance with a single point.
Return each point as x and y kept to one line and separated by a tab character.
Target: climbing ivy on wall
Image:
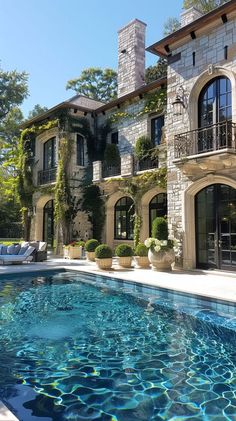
153	102
136	187
25	186
93	205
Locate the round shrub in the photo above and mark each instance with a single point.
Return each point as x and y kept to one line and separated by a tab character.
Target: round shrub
103	252
141	250
124	250
111	154
90	245
160	228
142	146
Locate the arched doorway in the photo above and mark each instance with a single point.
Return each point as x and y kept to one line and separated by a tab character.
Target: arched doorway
124	219
215	213
215	115
48	223
157	207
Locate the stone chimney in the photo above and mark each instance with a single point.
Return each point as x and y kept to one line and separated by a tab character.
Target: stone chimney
189	16
131	57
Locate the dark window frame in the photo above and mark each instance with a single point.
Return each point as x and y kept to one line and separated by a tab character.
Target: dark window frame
128	209
154	206
79	150
49	164
156	132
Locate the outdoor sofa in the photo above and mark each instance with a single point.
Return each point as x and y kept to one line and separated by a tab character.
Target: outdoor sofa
16	253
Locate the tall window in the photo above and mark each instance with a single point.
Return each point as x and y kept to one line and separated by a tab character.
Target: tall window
156	130
49	156
124	215
157	207
215	102
115	138
214	115
80	150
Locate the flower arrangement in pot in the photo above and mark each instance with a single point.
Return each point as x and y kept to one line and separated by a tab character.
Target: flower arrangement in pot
141	256
124	252
103	257
74	250
90	247
161	252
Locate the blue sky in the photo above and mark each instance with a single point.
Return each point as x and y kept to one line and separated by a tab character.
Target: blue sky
53	41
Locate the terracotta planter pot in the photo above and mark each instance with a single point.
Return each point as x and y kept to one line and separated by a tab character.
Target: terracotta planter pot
104	264
161	260
90	256
125	262
73	252
142	262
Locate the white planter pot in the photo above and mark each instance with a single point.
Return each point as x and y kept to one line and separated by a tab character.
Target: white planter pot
142	262
125	262
73	252
90	256
104	264
161	260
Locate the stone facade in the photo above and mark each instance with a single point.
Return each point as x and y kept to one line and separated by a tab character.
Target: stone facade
186	178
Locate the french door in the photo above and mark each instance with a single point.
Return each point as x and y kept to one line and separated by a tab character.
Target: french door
215	115
215	212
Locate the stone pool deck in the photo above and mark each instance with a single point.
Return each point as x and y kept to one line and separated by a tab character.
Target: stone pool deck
220	285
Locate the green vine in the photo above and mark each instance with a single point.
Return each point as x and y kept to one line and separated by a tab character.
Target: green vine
136	187
64	205
153	102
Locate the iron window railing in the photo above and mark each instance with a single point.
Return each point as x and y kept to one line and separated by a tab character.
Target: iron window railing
207	139
110	170
47	176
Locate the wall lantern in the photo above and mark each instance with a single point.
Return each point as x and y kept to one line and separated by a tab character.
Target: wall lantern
178	103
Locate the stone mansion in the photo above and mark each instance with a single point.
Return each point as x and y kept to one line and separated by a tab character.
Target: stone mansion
192	135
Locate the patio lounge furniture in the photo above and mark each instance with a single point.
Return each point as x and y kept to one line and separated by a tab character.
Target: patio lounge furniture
40	253
25	255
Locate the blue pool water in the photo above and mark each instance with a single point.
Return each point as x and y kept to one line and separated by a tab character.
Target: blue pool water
81	347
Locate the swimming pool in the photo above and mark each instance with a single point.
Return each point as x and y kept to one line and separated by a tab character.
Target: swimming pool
86	347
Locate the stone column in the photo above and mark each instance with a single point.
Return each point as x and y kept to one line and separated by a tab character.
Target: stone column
127	164
97	171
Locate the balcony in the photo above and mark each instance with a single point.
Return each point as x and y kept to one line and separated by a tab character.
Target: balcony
206	150
110	170
217	137
47	176
146	164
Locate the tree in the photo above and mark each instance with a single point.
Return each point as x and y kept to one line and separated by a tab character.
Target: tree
37	110
157	71
95	83
13	90
170	26
203	6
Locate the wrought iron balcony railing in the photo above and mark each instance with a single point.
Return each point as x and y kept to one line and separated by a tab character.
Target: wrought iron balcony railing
47	176
146	164
207	139
110	170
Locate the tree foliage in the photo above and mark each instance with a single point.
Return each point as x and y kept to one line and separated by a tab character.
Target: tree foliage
37	110
158	71
170	26
95	83
13	90
203	6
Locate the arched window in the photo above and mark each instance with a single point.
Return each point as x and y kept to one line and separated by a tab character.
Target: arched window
124	219
48	223
215	114
157	207
80	150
